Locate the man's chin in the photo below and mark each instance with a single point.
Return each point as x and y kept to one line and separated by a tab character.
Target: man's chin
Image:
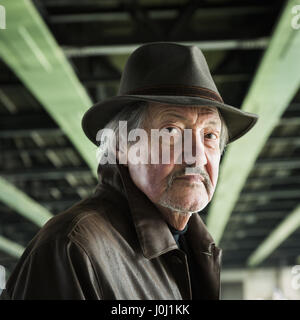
184	207
191	200
185	199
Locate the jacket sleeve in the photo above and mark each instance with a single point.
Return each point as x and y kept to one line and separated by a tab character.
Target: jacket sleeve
54	271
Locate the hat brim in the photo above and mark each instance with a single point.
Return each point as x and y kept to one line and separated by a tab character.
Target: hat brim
238	122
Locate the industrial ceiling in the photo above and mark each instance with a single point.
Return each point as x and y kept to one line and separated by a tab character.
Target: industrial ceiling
58	57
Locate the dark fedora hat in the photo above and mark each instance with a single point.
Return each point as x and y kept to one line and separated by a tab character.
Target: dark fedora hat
167	73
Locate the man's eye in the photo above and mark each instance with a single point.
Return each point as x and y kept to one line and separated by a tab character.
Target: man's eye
172	130
211	136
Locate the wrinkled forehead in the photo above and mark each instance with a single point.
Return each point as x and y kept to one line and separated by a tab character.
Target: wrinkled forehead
160	111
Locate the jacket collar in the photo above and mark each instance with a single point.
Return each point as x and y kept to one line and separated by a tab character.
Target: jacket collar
153	233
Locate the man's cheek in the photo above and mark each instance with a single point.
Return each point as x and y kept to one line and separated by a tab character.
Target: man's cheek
158	179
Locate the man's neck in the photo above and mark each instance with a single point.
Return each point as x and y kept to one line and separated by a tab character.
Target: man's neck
176	219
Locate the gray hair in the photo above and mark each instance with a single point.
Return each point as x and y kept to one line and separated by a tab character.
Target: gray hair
134	115
224	135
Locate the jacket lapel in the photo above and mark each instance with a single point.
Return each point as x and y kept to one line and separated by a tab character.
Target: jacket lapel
206	255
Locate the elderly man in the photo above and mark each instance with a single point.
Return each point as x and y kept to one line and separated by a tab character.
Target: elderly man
140	235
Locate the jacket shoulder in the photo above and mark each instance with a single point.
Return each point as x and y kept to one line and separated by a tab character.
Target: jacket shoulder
89	213
65	242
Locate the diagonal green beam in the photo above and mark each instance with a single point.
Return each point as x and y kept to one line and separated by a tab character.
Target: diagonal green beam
289	225
10	247
29	48
275	84
24	205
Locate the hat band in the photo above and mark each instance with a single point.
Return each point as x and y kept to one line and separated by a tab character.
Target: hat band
177	90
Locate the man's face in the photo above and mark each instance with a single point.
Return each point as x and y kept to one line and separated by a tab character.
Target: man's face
170	186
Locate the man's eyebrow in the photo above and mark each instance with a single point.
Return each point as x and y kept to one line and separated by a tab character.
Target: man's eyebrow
175	115
213	122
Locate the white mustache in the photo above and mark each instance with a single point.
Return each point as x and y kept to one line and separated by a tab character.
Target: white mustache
195	170
190	171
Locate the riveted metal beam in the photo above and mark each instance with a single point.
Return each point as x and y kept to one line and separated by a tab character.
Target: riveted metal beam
274	85
10	247
234	44
289	225
24	205
30	50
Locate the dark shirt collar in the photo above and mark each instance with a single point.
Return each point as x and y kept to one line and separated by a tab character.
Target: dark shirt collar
177	233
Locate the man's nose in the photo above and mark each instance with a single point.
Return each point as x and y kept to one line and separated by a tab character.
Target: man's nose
194	148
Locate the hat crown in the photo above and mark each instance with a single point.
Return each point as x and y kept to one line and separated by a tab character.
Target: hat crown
166	73
166	64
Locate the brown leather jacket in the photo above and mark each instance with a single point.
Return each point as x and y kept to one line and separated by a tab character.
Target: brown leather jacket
114	245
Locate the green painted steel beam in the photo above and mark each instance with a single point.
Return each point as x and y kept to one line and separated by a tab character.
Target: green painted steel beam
274	85
29	49
127	49
24	205
289	225
10	247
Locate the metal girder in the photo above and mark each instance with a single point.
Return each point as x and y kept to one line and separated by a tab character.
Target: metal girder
115	80
159	13
254	216
31	121
285	229
285	140
10	247
25	133
259	43
274	180
24	205
275	84
56	206
292	121
31	51
115	3
277	194
71	3
184	17
46	173
36	150
281	163
283	204
90	17
8	104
